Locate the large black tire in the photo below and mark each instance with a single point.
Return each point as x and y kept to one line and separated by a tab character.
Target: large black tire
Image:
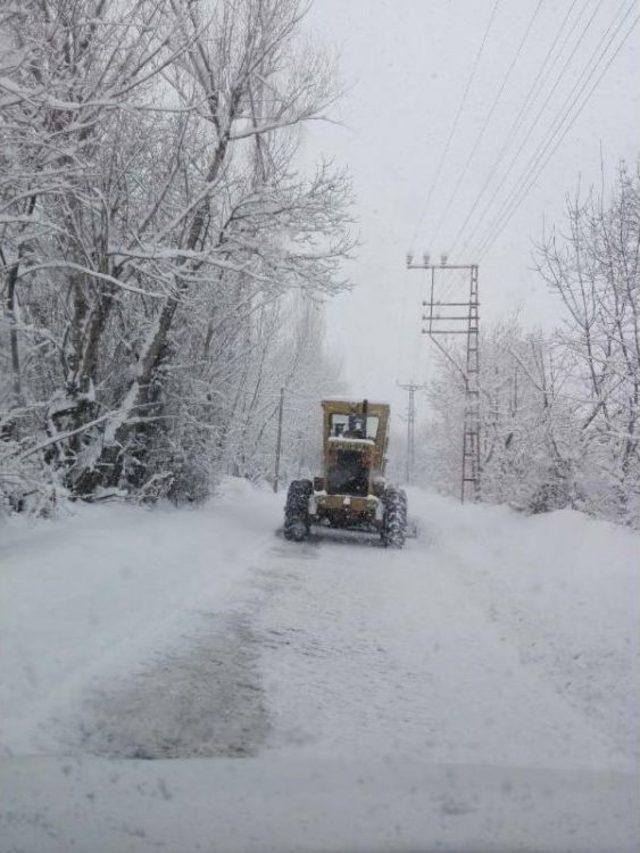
296	510
404	504
394	522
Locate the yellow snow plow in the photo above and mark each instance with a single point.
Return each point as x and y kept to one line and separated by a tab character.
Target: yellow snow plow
352	492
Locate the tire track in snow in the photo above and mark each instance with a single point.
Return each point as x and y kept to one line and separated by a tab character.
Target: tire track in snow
200	700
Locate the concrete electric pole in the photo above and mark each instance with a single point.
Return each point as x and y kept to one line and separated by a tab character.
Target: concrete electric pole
276	476
410	459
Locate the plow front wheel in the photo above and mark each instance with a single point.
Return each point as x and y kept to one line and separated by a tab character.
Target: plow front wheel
394	524
296	511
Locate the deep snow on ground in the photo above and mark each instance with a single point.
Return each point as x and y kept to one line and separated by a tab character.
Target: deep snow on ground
476	690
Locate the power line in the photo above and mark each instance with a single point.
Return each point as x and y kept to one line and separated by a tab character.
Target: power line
454	126
487	244
547	137
480	135
513	130
520	191
483	215
561	115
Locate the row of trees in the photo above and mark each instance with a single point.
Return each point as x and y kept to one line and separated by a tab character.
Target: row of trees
561	411
163	256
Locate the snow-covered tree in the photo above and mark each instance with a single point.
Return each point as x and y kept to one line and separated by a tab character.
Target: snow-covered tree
155	232
560	418
525	448
594	267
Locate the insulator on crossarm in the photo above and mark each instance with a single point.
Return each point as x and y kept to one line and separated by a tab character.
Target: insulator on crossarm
425	259
409	258
444	259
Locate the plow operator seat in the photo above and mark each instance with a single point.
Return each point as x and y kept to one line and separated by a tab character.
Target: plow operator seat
349	475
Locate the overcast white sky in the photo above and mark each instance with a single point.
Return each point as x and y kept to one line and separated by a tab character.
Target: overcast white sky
405	65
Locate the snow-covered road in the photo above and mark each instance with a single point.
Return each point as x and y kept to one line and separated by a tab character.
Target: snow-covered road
335	673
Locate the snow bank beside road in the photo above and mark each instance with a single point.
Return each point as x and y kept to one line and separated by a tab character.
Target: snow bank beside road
564	588
95	594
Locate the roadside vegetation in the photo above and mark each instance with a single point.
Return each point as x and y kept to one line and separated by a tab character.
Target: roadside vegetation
560	410
163	256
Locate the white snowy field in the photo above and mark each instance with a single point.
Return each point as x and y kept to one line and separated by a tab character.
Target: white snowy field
187	680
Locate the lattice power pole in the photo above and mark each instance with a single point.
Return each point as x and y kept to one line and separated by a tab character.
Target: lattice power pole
411	387
460	317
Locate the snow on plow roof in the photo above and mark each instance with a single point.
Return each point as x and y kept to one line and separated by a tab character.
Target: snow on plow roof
344	439
351	401
352	407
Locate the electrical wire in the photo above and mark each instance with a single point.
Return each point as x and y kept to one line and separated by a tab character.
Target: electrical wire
488	243
561	115
485	124
519	192
482	218
512	133
454	126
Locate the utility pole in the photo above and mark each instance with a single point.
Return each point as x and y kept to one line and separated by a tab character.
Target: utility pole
461	317
278	441
410	459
